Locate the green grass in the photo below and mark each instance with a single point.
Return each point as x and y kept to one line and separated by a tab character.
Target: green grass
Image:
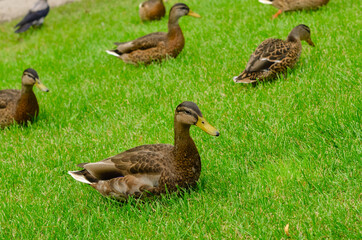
289	151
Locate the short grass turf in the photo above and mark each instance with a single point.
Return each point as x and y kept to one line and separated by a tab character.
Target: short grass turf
289	151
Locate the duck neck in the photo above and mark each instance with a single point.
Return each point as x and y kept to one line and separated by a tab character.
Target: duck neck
186	153
27	105
173	27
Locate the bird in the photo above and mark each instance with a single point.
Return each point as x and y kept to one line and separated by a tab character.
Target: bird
274	56
293	5
21	106
35	16
152	10
151	170
156	46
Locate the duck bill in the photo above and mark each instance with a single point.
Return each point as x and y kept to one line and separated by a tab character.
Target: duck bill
204	125
41	86
193	14
309	41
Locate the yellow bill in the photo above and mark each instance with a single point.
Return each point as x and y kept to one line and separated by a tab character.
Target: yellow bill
41	86
204	125
309	41
193	14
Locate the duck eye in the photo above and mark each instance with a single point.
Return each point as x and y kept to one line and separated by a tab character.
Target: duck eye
187	112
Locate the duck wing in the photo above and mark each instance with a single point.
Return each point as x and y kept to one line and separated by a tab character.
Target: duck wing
149	41
145	159
7	96
269	52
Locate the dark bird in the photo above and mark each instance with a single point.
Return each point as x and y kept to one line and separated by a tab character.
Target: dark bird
294	5
152	10
274	56
156	46
35	16
151	169
21	105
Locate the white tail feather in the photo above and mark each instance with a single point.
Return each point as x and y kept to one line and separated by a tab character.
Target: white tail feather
78	177
266	1
112	53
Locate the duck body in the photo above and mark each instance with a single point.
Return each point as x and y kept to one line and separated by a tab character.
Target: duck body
151	169
20	106
294	5
35	16
155	46
152	10
275	56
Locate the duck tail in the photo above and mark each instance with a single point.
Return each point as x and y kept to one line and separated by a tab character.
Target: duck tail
83	176
266	1
113	52
243	78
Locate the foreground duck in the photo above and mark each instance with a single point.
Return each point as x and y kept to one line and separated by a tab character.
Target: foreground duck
293	5
20	106
156	46
275	56
152	10
151	168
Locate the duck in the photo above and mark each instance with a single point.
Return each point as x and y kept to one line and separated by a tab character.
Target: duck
151	170
156	46
35	16
152	10
275	56
21	106
294	5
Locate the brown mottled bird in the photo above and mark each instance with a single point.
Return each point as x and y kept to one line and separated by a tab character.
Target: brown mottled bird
152	10
20	105
274	56
156	46
151	169
293	5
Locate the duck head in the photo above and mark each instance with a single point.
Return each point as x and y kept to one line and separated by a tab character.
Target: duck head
301	32
179	10
188	113
30	78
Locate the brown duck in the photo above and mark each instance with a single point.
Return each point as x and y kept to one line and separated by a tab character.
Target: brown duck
151	169
20	105
152	10
156	46
274	56
293	5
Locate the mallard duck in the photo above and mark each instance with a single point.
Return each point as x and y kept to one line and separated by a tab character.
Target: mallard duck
274	56
35	16
21	106
293	5
152	10
156	46
151	169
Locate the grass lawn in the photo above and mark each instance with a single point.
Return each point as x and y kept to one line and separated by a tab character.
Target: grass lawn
289	151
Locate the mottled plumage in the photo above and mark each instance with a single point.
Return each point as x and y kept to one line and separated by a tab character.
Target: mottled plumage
152	10
151	168
35	16
156	46
293	5
274	56
20	105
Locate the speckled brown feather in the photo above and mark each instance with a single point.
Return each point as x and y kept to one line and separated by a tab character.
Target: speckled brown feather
155	46
271	57
152	10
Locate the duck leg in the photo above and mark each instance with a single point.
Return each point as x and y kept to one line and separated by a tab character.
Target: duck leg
277	14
